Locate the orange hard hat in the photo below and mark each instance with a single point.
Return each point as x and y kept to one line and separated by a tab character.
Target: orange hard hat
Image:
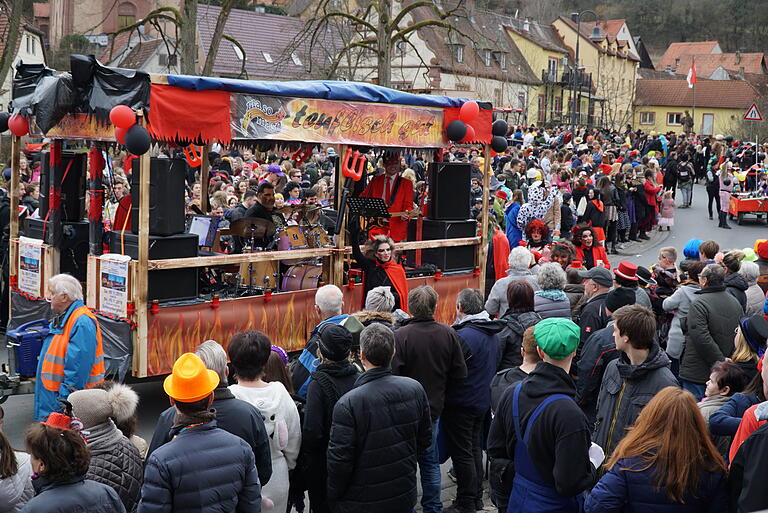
190	380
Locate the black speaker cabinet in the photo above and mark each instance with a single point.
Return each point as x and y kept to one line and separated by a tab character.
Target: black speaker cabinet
449	186
69	178
446	259
73	245
166	196
168	284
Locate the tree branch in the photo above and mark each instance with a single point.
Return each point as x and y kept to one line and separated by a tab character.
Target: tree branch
213	50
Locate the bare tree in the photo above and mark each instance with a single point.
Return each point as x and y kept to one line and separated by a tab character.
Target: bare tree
14	11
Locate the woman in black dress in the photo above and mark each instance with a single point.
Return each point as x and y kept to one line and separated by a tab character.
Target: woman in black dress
380	268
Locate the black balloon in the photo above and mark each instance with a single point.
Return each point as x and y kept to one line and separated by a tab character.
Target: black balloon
4	117
499	128
137	140
456	130
499	144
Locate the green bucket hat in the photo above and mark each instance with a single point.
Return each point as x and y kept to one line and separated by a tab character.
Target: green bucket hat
557	337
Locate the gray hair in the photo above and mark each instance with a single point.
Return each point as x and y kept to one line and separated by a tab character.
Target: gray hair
329	299
551	276
470	301
380	299
519	259
377	344
215	358
750	271
715	275
422	302
66	284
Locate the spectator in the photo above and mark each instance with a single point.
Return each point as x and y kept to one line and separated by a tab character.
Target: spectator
430	353
749	343
574	289
232	415
679	303
467	403
127	420
519	317
735	283
379	430
588	248
541	428
248	353
115	461
15	475
725	380
631	380
691	253
380	308
707	251
666	463
712	320
334	377
625	275
60	461
551	300
520	260
755	295
507	377
597	284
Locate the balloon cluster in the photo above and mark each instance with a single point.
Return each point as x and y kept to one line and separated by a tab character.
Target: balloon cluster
460	130
135	137
499	131
18	124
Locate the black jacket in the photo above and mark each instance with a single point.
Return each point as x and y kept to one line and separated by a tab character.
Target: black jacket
233	415
559	442
592	316
746	481
598	351
431	353
736	285
379	430
511	337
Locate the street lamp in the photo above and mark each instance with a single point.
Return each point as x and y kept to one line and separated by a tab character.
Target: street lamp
576	17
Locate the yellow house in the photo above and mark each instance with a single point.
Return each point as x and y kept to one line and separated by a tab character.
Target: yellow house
546	54
661	104
608	65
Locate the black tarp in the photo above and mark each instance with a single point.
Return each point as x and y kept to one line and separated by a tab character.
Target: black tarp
99	88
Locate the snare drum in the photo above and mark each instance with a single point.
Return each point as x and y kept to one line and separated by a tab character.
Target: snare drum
302	277
260	275
291	237
317	237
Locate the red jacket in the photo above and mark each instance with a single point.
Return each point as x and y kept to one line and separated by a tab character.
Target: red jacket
747	426
650	194
598	253
398	227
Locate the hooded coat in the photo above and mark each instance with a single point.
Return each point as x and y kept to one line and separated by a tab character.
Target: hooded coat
536	207
736	285
511	337
75	495
625	390
17	489
746	482
679	302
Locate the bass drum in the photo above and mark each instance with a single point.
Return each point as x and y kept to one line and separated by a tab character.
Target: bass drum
259	275
302	277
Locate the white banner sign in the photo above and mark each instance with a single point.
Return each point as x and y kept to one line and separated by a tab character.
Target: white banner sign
30	266
113	289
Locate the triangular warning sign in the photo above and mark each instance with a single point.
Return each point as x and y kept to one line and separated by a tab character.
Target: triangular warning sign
753	114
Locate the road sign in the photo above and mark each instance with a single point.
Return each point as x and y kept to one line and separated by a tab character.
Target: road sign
753	114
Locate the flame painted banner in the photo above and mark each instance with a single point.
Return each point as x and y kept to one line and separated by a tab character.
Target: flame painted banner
336	122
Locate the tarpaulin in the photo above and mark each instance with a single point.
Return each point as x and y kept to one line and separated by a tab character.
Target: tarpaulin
482	123
325	89
53	99
25	82
180	114
117	341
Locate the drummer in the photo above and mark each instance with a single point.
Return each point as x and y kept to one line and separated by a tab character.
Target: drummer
397	193
262	209
239	212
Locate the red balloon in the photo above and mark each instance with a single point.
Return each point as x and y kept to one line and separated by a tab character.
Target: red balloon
19	125
470	137
120	134
122	116
469	111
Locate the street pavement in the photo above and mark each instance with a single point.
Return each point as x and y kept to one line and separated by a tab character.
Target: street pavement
689	223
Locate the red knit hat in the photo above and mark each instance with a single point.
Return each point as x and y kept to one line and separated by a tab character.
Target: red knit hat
762	249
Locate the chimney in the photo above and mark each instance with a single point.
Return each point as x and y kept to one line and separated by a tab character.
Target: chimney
738	57
526	25
668	69
741	73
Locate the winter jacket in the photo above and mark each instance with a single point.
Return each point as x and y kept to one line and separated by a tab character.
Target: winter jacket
205	470
712	319
597	352
736	285
755	300
16	490
592	316
513	233
368	317
547	307
707	407
625	390
725	421
559	441
232	415
431	353
590	256
679	302
379	430
575	294
627	488
76	495
503	380
116	462
496	304
746	481
511	337
480	343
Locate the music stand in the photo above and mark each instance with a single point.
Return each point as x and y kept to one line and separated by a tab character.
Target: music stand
367	207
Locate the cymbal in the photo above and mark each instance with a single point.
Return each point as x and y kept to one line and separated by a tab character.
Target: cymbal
290	209
252	227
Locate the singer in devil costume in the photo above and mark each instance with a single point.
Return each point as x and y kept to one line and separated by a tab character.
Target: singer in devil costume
380	268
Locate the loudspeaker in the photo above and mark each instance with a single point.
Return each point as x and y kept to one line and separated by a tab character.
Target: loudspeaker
166	196
73	245
69	176
449	186
446	259
167	284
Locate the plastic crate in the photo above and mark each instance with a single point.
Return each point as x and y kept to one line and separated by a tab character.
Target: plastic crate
27	339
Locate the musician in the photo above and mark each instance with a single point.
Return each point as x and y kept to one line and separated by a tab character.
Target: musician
380	267
249	200
263	209
397	193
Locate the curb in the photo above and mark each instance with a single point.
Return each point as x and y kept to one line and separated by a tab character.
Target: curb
637	249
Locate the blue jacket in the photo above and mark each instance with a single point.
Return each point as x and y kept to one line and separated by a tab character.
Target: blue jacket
514	235
77	364
628	491
308	362
73	496
203	470
726	420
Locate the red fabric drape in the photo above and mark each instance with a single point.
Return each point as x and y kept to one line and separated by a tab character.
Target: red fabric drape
481	124
180	114
396	275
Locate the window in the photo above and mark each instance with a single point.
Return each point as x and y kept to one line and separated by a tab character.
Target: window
542	115
34	41
486	56
167	60
500	58
126	15
674	118
647	118
559	106
498	97
521	100
458	53
26	39
238	52
552	68
267	57
400	48
295	59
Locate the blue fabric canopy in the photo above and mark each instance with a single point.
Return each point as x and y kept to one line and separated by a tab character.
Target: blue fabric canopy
324	89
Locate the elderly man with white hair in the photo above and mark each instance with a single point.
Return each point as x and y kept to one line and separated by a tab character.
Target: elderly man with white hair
520	263
72	357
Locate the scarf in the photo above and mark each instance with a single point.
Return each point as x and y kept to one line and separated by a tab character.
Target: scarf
396	275
598	205
182	420
552	294
102	437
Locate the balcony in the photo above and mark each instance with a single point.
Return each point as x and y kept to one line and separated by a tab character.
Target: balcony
549	76
583	80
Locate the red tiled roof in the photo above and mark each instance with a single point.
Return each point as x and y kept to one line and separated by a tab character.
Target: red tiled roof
707	64
677	50
42	10
138	56
111	51
586	32
724	94
610	27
